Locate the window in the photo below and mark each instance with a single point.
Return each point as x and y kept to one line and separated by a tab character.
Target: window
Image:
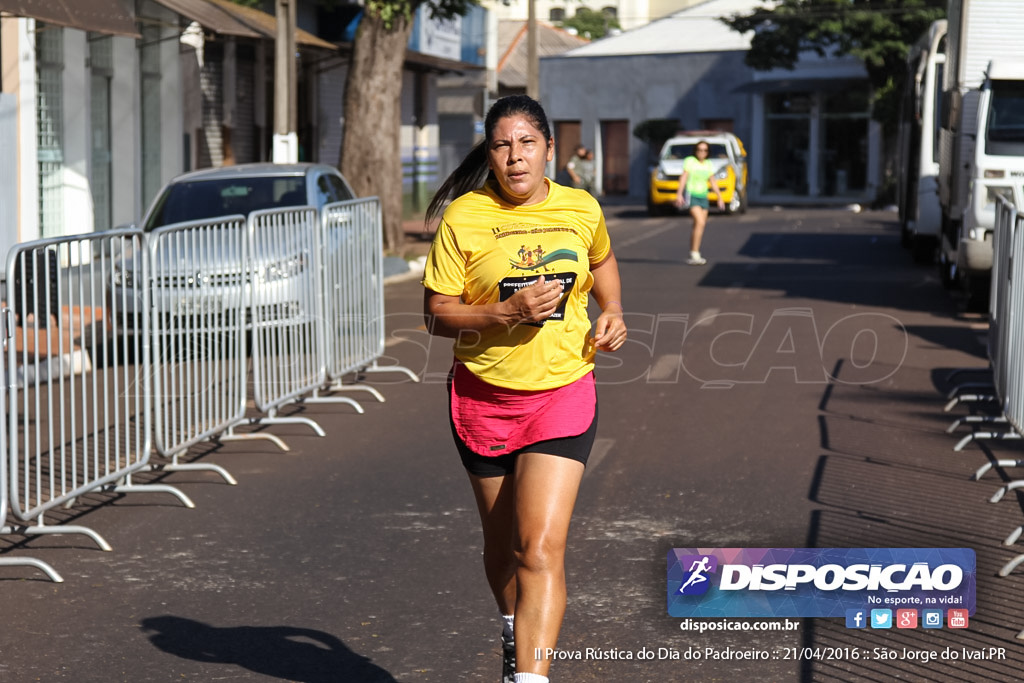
50	128
787	132
1004	134
331	189
101	61
843	150
556	14
206	199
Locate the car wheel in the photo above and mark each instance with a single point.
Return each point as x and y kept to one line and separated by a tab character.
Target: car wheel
653	209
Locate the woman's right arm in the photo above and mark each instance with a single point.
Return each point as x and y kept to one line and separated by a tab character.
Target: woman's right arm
682	187
447	316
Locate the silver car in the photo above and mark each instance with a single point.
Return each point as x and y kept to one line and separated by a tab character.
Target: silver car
230	190
216	270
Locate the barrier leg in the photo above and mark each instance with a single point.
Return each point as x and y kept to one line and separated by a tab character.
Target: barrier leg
977	436
1010	566
374	368
175	466
955	391
1003	490
230	435
273	418
129	487
317	397
970	398
30	562
998	463
975	419
41	529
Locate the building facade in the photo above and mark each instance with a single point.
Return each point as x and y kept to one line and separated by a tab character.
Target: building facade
808	132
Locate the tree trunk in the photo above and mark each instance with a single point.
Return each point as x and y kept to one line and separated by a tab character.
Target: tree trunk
371	157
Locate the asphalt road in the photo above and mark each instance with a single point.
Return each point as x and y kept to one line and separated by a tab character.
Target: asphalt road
788	394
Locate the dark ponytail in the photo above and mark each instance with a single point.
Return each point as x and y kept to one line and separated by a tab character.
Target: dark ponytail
474	169
470	175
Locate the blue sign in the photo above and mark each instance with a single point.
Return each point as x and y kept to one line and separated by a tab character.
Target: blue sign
861	584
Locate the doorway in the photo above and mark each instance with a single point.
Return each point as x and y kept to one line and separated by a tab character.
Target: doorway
615	157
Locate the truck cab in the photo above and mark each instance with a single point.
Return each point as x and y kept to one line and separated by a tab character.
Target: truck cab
989	124
997	168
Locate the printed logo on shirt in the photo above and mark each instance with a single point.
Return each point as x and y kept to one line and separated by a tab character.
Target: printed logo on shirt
510	285
536	258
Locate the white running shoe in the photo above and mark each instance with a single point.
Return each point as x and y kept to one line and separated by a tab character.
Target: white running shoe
696	260
508	660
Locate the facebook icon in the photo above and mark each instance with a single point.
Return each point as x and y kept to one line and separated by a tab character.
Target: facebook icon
856	618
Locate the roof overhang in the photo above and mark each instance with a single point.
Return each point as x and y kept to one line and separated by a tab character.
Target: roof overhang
420	61
799	85
228	19
115	17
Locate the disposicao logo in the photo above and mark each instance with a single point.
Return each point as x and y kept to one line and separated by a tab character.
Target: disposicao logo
817	582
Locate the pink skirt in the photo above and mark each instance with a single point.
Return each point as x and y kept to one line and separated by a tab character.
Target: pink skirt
493	420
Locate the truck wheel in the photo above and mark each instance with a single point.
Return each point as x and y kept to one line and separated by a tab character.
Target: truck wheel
947	271
923	249
977	288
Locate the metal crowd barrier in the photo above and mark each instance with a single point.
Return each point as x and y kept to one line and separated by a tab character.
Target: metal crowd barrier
285	315
78	402
1006	358
353	296
4	529
199	302
123	343
1003	327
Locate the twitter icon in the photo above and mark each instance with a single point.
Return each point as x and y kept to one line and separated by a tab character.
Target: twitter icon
881	618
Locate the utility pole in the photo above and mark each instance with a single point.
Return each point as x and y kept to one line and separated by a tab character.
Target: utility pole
532	61
286	140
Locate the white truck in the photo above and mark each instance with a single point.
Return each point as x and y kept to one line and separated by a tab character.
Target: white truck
919	211
981	143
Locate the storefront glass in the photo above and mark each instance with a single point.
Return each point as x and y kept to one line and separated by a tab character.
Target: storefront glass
816	143
787	133
843	160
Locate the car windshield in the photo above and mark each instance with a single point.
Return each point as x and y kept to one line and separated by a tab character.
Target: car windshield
683	150
204	199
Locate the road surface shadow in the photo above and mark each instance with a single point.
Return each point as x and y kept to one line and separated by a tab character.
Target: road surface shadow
286	652
888	477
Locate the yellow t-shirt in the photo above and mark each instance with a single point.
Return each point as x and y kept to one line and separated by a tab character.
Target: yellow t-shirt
485	249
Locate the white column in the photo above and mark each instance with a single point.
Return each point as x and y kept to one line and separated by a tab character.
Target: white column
76	197
28	162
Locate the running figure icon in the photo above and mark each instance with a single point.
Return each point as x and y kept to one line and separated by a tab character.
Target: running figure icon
697	570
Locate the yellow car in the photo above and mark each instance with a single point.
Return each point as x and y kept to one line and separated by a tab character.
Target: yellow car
730	163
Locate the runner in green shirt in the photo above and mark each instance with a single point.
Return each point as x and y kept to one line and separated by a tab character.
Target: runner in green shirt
693	193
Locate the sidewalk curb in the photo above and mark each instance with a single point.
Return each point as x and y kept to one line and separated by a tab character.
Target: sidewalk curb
397	269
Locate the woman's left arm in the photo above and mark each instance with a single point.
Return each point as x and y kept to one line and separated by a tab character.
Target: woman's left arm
610	328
